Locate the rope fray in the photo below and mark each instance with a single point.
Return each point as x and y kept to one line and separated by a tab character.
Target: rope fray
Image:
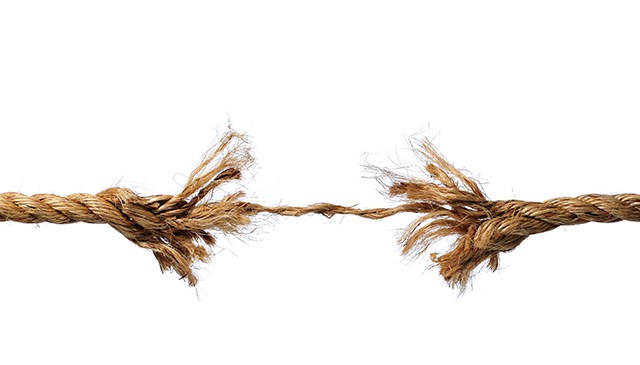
173	227
177	228
482	228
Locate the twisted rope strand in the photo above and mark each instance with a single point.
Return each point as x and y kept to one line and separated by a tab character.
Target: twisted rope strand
329	210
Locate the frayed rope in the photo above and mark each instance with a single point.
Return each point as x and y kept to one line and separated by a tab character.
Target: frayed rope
176	228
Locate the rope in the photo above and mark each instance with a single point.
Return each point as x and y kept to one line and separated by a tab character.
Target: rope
177	228
482	228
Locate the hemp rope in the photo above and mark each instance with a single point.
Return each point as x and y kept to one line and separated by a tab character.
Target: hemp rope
176	227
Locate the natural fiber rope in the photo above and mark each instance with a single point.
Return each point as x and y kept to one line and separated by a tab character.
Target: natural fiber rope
173	227
176	227
484	228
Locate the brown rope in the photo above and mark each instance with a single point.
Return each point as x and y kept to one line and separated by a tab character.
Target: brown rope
173	227
176	227
483	228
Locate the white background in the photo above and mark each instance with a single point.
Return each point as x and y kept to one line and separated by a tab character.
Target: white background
536	100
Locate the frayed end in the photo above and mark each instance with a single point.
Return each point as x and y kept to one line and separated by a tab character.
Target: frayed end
458	209
175	227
